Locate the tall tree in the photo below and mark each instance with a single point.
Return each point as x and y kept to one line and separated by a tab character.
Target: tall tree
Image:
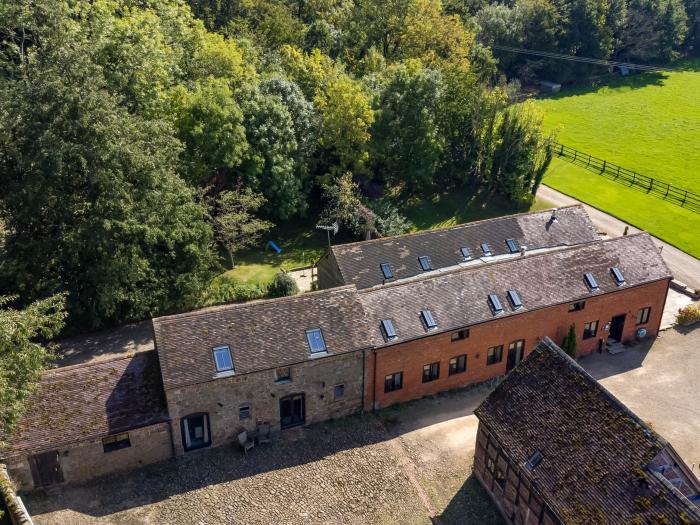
235	223
22	356
406	143
92	201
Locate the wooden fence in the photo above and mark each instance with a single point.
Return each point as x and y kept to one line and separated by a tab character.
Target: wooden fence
680	196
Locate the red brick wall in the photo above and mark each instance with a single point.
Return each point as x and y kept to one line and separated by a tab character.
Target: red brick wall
554	322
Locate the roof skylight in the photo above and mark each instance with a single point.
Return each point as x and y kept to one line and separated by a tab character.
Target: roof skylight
590	281
514	299
512	245
428	319
495	303
486	249
617	275
317	343
424	263
466	254
386	271
388	327
222	358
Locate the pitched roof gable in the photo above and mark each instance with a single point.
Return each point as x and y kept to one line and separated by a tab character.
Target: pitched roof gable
595	451
260	334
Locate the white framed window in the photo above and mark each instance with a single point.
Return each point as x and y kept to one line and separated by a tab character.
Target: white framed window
222	359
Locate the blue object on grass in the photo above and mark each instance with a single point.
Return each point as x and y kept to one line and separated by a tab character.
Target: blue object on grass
272	245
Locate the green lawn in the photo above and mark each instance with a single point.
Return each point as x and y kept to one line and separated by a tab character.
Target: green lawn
667	221
302	244
649	123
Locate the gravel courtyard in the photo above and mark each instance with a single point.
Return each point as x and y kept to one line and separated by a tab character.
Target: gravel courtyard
403	465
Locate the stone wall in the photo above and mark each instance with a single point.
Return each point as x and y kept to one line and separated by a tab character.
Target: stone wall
410	357
222	398
87	459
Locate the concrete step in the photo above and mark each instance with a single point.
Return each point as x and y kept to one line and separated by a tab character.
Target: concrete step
615	348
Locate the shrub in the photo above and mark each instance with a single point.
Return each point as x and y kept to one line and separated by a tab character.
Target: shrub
282	285
688	314
389	221
569	343
229	290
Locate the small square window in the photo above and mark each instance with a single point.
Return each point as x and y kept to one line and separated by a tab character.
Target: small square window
643	315
431	372
116	442
575	307
244	412
458	336
222	359
338	391
494	355
283	374
317	343
590	329
393	382
424	263
457	365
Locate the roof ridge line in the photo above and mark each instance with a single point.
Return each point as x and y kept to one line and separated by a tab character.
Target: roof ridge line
232	306
459	226
127	355
439	272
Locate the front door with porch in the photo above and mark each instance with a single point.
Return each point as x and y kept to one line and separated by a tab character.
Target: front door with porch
292	411
46	469
617	325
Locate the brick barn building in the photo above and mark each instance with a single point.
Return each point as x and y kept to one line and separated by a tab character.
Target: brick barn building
555	447
369	343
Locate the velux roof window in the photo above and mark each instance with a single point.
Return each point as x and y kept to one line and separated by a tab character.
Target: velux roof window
465	253
514	299
590	281
424	263
486	249
389	330
386	271
317	344
222	358
512	245
428	319
617	275
495	303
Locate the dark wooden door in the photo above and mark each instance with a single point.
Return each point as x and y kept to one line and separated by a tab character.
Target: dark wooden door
515	355
616	326
292	411
46	469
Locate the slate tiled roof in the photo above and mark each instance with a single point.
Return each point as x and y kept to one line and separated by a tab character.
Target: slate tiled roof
458	298
359	262
261	334
91	400
595	450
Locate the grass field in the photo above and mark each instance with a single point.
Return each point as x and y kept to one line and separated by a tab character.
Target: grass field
302	244
649	123
667	221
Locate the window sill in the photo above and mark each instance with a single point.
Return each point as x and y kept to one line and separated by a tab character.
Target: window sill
282	381
318	354
225	373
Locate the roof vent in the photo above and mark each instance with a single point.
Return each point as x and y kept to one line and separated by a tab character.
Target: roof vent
523	249
553	219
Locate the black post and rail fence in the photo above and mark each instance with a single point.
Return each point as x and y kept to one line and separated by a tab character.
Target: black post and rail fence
679	196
